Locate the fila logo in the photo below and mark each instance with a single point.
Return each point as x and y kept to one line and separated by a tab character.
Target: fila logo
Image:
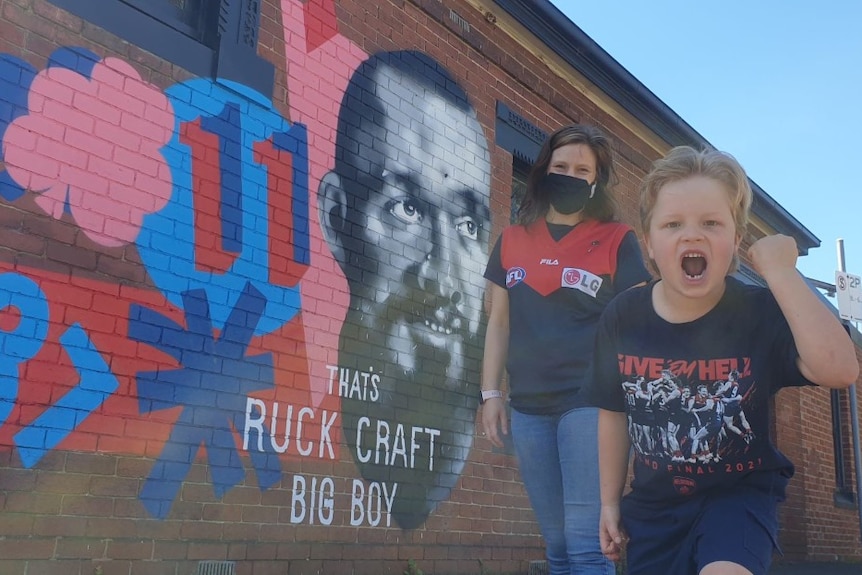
547	262
514	276
581	280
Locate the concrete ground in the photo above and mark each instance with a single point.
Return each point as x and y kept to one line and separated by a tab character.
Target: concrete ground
541	568
816	569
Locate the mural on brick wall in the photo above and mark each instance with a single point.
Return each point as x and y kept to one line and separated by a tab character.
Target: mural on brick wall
406	214
222	283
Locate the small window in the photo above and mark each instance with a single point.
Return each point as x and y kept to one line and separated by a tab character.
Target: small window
185	16
520	171
203	37
523	139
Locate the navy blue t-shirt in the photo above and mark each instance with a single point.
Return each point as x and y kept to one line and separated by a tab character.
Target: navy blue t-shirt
696	394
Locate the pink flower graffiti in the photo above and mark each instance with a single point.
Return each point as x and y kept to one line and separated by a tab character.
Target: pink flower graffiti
93	144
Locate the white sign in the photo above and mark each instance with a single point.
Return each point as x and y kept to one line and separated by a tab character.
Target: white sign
849	292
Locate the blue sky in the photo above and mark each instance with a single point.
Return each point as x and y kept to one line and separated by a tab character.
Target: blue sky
777	83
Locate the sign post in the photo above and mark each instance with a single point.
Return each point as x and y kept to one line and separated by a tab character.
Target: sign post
850	291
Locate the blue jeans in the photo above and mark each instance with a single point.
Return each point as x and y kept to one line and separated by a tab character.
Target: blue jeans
559	464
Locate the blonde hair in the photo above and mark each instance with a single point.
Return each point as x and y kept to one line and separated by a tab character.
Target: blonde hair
685	162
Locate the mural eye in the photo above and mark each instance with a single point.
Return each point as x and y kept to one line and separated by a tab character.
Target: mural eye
467	227
405	210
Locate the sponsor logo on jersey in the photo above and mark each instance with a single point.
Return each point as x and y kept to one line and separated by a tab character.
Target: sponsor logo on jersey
514	276
549	262
581	280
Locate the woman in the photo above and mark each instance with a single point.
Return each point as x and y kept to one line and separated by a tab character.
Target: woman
551	275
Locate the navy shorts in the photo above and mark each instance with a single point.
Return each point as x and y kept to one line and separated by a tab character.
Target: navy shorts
738	525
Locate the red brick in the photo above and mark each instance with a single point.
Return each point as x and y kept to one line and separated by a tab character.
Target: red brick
12	33
59	567
80	548
156	567
18	524
86	506
32	503
77	258
26	548
132	550
487	514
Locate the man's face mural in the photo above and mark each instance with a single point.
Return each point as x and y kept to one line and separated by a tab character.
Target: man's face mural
406	214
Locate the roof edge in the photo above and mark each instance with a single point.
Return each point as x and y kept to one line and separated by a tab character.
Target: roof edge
563	37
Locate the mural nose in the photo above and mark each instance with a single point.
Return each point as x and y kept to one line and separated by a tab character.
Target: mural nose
435	277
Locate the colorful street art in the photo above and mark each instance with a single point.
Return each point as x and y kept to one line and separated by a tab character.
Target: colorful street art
224	284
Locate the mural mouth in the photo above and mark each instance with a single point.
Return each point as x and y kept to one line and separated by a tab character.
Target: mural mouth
443	322
440	327
438	332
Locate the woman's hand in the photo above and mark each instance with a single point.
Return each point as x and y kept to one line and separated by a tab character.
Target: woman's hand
495	422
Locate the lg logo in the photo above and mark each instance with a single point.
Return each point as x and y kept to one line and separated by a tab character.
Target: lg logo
581	280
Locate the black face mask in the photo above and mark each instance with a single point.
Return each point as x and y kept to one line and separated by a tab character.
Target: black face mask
567	194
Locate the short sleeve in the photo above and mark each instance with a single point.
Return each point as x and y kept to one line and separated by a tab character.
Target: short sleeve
494	271
631	269
605	391
783	353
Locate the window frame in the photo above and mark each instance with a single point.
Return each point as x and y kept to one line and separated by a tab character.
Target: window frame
523	139
518	135
163	12
520	173
216	46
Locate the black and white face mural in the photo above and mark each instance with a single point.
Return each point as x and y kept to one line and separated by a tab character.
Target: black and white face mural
406	214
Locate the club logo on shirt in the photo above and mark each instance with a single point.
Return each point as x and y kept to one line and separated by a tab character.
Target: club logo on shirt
514	276
548	262
684	485
581	280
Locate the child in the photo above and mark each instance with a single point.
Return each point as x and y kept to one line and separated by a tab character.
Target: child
704	500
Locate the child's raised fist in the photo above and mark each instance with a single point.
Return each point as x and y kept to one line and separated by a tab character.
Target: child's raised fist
771	254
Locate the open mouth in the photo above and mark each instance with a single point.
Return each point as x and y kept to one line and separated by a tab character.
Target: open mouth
436	321
693	265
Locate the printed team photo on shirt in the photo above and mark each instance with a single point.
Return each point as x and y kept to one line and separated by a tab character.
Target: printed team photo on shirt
682	418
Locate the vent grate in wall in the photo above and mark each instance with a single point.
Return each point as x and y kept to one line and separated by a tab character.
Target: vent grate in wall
460	22
216	568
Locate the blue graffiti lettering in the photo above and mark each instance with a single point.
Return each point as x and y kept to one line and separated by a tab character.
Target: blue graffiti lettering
227	125
167	242
23	342
302	241
96	384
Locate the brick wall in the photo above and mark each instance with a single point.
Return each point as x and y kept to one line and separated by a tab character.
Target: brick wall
814	527
206	352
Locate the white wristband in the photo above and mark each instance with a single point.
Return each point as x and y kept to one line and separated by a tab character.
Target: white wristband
489	393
